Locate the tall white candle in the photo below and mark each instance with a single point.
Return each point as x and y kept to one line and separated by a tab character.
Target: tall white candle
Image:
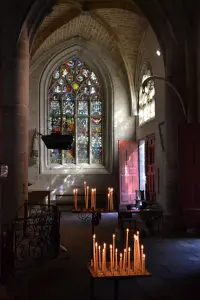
74	192
111	259
129	260
120	263
103	260
124	261
104	247
94	255
138	251
141	257
85	192
108	201
116	262
127	233
87	196
96	252
100	257
144	256
76	198
113	250
95	198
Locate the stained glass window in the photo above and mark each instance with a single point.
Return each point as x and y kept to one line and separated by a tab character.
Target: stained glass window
75	107
146	98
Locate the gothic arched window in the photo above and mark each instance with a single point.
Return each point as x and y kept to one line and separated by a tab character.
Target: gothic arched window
146	98
75	107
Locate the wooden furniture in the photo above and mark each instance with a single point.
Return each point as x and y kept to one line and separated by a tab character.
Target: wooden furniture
149	216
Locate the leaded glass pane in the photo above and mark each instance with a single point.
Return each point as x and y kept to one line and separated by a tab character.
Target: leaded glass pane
96	140
68	157
83	108
68	125
96	108
68	107
146	100
56	156
82	140
75	93
54	108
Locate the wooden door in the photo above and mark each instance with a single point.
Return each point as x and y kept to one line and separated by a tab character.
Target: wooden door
150	167
128	171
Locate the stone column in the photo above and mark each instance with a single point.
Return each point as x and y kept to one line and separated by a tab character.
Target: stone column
14	123
175	73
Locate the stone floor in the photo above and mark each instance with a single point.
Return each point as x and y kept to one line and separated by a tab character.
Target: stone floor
173	262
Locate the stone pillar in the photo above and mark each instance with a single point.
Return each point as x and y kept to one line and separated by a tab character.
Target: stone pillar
175	73
14	123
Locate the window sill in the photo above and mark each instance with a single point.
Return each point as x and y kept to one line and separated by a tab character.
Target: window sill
74	169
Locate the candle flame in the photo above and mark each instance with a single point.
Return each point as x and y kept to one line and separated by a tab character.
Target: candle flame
129	249
144	255
120	255
116	250
84	182
88	187
110	246
99	247
138	233
113	235
94	236
104	245
124	250
142	247
96	244
127	230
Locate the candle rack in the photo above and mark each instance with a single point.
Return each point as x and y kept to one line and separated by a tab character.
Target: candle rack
118	264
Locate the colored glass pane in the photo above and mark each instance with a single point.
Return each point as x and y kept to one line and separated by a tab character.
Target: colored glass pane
75	86
54	108
68	107
83	108
96	108
74	92
68	125
55	156
146	99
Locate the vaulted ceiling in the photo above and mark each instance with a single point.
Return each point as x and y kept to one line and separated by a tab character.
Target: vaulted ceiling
117	27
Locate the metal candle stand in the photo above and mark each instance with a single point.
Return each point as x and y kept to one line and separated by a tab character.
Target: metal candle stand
102	267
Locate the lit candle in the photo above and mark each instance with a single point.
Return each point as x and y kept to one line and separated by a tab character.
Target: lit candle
111	190
87	196
143	264
100	257
116	263
124	260
96	252
135	255
111	259
138	251
92	203
113	250
108	202
127	233
85	192
74	192
142	252
129	260
104	247
76	198
120	263
103	260
94	255
95	191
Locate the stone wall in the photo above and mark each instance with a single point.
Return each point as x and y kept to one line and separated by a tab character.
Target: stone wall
147	53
